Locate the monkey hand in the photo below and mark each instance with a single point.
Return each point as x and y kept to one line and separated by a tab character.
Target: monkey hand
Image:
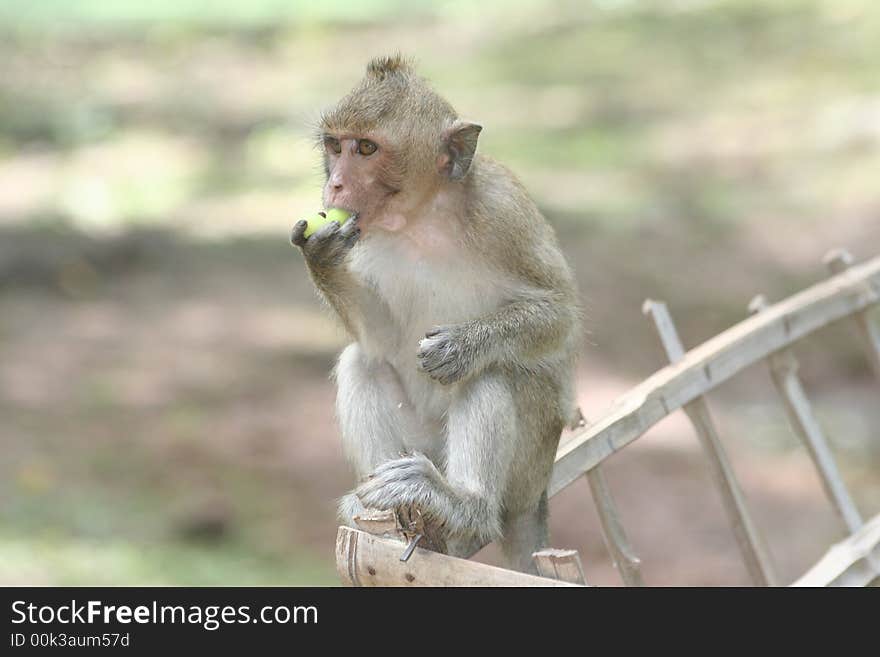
329	245
445	354
410	481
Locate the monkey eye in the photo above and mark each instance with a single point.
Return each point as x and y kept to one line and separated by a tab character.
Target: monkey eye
332	144
367	147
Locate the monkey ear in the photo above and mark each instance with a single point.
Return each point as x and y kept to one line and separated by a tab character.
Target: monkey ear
460	144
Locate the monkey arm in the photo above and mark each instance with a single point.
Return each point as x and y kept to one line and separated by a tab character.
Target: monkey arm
358	307
531	328
340	291
326	254
528	328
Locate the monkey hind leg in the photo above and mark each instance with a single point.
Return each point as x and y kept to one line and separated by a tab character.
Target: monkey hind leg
525	533
373	412
464	547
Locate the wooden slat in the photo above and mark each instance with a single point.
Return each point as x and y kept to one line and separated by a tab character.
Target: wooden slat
379	523
366	560
714	362
625	560
748	537
783	371
563	565
854	561
839	261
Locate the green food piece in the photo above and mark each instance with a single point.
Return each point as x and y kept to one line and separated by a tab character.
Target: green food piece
320	219
314	223
337	215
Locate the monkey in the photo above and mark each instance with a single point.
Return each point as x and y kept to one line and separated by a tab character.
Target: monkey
463	313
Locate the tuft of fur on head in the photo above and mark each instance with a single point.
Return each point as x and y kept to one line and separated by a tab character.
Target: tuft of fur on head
380	67
392	95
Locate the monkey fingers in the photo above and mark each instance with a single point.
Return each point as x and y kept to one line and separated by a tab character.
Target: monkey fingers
329	244
298	234
350	231
442	355
411	480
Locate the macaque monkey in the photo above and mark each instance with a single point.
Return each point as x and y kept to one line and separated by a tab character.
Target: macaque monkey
463	314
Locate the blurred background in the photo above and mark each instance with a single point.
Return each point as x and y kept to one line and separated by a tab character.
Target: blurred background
165	408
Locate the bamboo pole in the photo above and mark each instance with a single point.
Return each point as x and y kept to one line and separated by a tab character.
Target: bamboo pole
625	560
783	371
748	537
363	559
839	261
564	565
855	561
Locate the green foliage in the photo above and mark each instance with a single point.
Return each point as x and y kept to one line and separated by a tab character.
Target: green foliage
71	561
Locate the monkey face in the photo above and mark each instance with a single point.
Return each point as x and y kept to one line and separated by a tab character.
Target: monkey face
389	183
391	146
360	176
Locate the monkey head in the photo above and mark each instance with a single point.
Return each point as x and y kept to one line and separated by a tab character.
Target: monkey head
391	146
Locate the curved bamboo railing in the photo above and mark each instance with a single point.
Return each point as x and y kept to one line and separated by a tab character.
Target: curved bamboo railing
712	363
